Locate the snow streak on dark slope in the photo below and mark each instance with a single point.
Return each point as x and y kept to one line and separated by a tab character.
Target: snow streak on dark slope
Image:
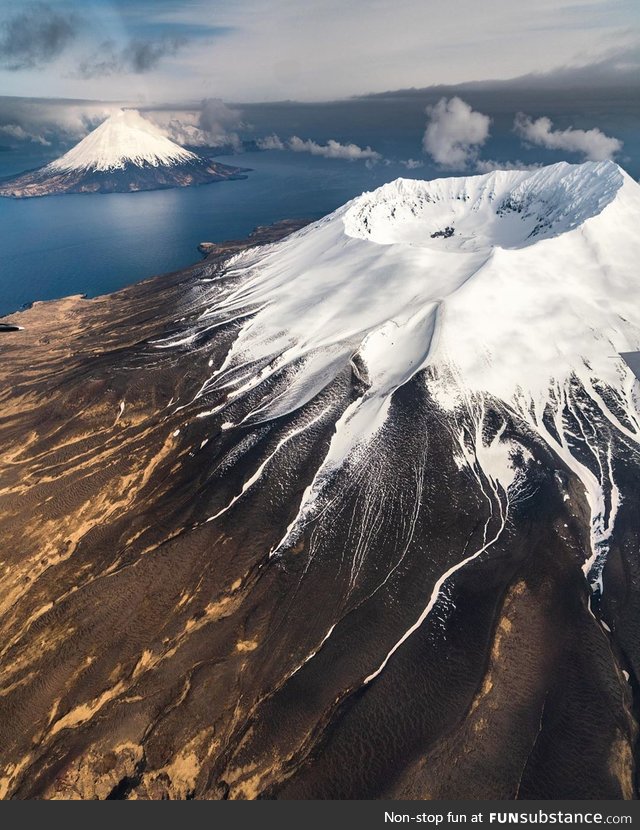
352	514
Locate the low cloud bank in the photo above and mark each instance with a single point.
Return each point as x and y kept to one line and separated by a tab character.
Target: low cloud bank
271	142
18	133
215	124
331	150
593	144
45	123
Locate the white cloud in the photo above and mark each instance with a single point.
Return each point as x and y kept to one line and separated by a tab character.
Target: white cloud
17	132
331	150
454	133
215	124
46	122
412	164
489	165
271	142
593	144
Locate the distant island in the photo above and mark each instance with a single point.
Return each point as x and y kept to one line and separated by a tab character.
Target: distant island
125	153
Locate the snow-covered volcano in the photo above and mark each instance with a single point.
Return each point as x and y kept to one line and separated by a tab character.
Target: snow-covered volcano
509	292
353	514
513	281
125	138
126	152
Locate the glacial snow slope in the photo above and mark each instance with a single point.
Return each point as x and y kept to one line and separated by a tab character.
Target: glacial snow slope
351	514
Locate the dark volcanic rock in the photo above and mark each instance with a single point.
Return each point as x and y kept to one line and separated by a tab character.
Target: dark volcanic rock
261	235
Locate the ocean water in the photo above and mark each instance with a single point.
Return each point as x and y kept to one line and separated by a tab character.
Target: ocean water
96	243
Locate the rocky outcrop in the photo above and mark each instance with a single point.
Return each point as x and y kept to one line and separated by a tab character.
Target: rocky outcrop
261	235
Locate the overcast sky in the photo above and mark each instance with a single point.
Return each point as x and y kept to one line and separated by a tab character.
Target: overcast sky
256	50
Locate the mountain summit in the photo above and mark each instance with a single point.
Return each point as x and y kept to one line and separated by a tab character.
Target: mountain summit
125	138
125	153
353	513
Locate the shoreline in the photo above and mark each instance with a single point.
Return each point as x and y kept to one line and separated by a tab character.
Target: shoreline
260	235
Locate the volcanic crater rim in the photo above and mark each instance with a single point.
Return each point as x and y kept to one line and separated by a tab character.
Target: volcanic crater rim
505	208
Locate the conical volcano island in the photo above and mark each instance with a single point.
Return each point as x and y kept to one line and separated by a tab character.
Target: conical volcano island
348	513
125	153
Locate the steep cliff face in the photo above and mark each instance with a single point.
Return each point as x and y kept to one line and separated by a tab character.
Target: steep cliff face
350	514
125	153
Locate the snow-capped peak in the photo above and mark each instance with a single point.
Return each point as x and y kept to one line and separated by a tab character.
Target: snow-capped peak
124	138
512	281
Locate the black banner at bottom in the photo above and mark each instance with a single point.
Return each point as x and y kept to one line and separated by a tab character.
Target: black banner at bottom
331	815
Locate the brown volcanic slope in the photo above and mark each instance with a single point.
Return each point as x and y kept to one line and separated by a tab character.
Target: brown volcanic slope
149	653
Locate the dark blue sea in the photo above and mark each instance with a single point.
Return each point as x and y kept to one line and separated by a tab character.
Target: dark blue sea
92	244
